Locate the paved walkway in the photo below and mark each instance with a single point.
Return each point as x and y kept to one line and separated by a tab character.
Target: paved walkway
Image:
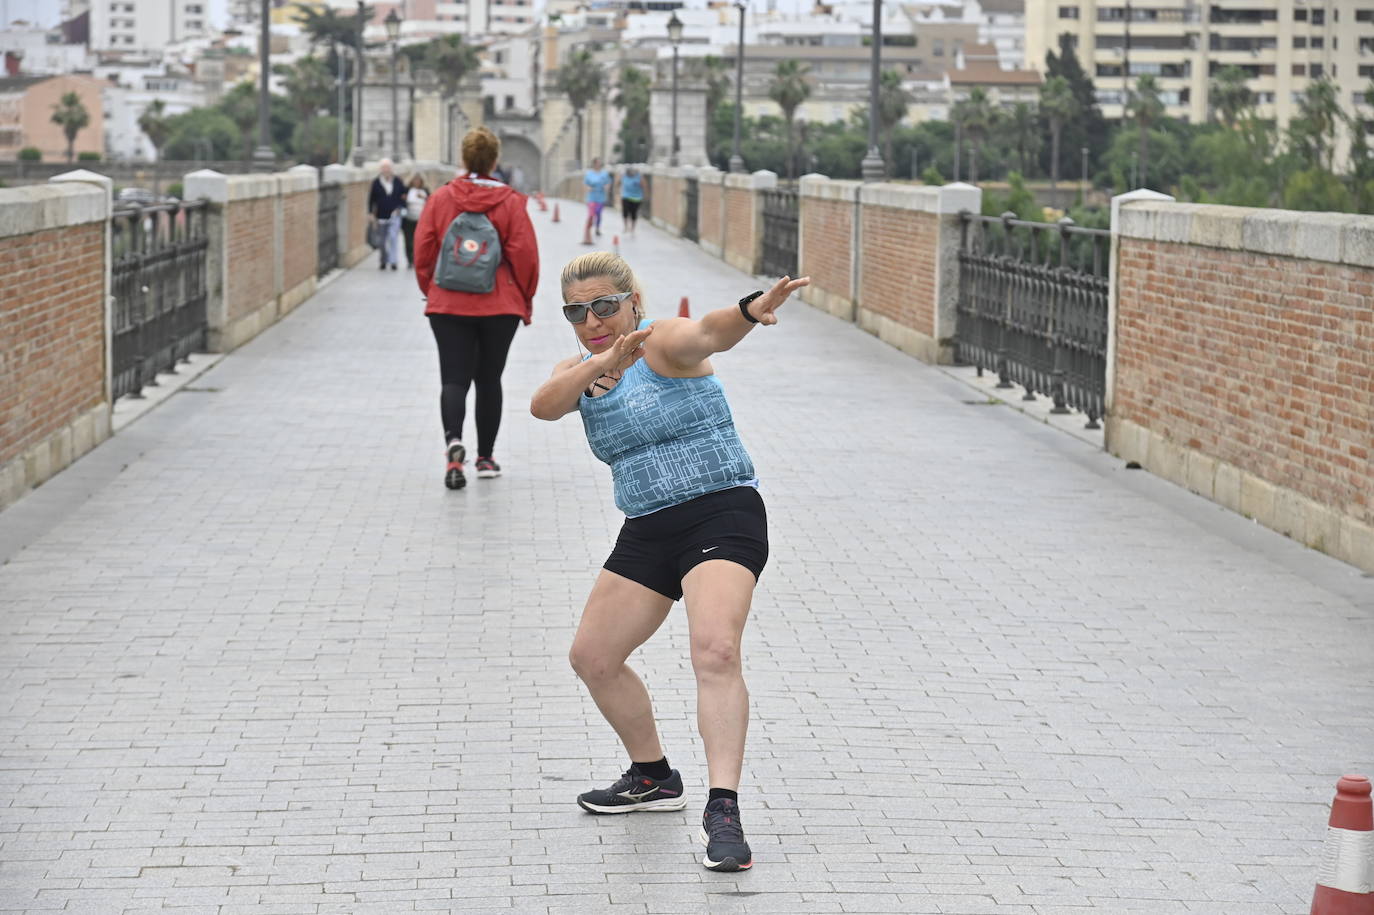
254	658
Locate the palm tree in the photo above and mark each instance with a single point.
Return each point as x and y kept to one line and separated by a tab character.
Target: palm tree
1147	108
1313	131
580	79
308	84
633	99
71	116
893	101
1059	106
155	125
789	88
978	117
1023	125
449	57
1230	95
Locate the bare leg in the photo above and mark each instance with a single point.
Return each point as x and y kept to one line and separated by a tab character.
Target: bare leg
718	595
619	617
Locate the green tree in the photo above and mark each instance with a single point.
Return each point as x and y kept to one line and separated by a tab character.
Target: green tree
1058	107
240	105
72	117
1316	189
978	117
893	101
580	79
1086	126
791	85
1023	128
632	97
309	86
1230	96
1312	134
155	126
450	57
314	142
715	72
1147	108
202	133
329	28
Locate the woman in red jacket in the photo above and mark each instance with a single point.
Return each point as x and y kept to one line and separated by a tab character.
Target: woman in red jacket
474	330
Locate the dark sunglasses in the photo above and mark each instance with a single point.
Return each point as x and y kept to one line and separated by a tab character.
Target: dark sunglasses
604	307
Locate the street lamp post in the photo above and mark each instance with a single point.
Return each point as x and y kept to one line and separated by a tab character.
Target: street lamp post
262	155
339	91
872	166
358	64
674	36
393	33
736	160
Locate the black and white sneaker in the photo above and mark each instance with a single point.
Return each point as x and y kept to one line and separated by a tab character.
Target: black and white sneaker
453	473
723	835
636	792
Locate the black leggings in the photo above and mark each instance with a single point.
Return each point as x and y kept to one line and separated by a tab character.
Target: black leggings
472	350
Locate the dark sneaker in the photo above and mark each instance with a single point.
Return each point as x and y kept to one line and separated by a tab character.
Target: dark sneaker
487	468
453	475
636	792
723	835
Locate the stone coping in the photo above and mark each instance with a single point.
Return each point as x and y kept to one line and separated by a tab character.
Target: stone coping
945	200
710	175
830	188
762	180
36	207
345	174
1340	238
299	178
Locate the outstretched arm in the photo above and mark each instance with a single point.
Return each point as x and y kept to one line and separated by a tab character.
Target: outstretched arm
558	396
686	343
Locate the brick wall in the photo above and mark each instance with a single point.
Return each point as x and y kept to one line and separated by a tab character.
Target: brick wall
252	251
741	242
301	231
52	332
709	205
1242	363
54	403
897	266
667	205
827	230
355	204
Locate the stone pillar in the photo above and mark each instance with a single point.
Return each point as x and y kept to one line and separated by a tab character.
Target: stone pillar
711	210
298	216
1118	202
691	113
84	176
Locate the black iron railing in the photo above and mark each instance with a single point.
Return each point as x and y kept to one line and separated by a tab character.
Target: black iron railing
781	208
328	255
158	284
689	218
1033	307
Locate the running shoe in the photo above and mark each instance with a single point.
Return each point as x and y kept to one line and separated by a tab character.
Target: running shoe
636	792
487	468
453	476
723	835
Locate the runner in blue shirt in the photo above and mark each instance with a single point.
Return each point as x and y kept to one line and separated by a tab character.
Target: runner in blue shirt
631	196
598	182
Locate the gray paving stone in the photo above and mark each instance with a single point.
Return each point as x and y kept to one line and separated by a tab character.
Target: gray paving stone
254	658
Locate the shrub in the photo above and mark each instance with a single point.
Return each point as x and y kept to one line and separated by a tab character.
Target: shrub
176	190
88	157
30	154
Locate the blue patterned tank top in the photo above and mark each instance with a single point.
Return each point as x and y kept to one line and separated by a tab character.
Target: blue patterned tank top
667	440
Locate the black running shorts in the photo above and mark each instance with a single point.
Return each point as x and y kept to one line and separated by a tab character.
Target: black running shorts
657	550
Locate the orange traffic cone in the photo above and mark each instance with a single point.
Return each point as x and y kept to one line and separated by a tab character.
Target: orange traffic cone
555	212
683	311
543	207
615	242
1345	878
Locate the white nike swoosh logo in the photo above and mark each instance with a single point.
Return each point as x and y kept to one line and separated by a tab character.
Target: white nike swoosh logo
630	795
709	549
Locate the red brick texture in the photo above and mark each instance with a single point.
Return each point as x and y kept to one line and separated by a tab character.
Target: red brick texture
301	228
708	213
52	332
250	238
897	266
1257	360
827	229
741	248
667	204
355	199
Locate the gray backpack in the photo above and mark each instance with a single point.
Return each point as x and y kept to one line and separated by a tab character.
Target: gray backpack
470	255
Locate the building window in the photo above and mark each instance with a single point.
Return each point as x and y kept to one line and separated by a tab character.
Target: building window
1316	43
1315	71
1299	69
1364	15
939	48
1068	12
1299	15
1319	17
1366	71
1299	42
510	102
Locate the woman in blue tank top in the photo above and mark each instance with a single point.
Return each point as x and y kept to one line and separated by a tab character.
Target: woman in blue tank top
695	528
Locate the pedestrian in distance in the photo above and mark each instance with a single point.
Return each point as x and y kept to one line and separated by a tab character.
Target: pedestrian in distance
477	263
598	183
386	201
631	196
416	195
695	528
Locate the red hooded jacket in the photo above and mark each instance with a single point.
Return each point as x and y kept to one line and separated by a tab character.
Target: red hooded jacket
516	277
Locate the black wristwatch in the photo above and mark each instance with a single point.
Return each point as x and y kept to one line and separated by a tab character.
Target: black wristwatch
744	306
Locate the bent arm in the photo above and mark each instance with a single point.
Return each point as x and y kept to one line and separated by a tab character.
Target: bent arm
558	396
426	248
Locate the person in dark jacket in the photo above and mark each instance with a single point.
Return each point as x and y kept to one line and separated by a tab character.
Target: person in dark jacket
473	331
386	204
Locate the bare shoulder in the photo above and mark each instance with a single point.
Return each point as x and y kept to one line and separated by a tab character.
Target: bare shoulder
658	349
564	364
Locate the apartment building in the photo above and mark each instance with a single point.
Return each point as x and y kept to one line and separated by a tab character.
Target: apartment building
146	25
1281	45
